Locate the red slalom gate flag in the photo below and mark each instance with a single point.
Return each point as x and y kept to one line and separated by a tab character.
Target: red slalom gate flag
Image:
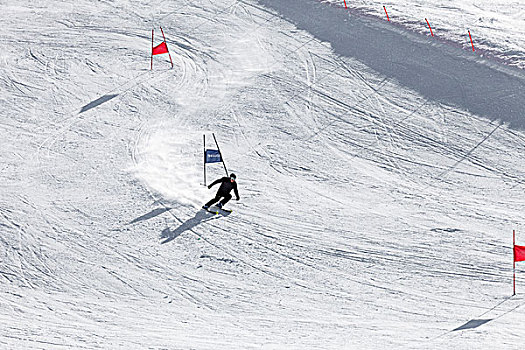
160	49
519	253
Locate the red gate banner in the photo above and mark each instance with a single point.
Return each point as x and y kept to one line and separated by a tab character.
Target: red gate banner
160	49
519	253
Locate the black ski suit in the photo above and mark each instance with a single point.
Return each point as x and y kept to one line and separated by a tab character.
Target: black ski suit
227	185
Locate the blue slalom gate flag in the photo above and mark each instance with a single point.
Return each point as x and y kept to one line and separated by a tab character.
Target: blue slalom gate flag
213	156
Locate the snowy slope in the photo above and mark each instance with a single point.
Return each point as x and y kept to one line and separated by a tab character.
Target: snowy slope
373	213
498	26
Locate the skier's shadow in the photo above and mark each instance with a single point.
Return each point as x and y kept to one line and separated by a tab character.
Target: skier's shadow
201	216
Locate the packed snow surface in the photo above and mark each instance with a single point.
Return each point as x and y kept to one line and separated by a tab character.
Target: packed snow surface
497	26
381	174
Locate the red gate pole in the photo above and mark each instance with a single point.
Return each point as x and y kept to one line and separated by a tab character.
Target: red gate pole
429	27
166	46
152	48
472	43
388	18
514	261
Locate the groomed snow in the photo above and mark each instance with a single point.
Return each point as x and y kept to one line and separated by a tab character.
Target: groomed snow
497	26
377	206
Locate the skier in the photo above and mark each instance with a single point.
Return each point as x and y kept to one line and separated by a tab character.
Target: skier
227	184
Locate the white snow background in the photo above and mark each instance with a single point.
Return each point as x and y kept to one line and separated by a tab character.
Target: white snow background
381	173
497	26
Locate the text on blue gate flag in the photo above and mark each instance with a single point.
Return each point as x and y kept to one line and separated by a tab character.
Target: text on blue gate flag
213	156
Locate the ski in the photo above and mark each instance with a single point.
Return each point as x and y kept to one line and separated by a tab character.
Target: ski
216	211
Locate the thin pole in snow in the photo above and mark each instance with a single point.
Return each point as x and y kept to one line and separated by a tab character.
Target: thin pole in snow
388	18
471	41
514	262
222	159
204	163
345	4
429	27
152	48
166	46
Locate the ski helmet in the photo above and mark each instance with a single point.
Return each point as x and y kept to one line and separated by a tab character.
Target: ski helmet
233	176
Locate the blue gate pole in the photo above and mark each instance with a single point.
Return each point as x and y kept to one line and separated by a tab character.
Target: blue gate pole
222	159
204	164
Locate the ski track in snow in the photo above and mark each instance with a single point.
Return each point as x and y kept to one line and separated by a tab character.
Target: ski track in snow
370	215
